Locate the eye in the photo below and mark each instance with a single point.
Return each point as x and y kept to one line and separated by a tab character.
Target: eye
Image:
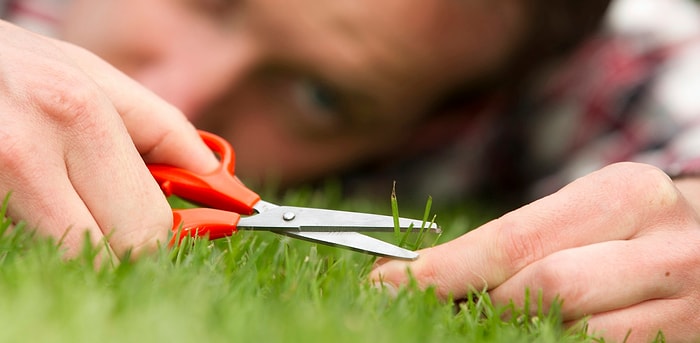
215	5
214	8
318	102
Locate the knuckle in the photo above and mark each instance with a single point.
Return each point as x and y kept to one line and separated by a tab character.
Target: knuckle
548	274
518	246
657	188
553	276
11	151
637	194
428	275
17	158
447	277
73	102
645	185
161	140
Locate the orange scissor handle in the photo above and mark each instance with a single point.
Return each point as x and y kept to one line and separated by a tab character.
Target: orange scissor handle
204	222
219	189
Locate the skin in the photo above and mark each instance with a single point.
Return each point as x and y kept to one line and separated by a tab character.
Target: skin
305	88
619	246
331	79
64	136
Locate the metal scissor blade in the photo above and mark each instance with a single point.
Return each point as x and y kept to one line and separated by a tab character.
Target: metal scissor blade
287	218
354	241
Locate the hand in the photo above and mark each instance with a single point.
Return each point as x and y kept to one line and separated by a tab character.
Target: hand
621	245
74	133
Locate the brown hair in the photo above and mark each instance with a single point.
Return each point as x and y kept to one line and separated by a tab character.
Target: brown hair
553	28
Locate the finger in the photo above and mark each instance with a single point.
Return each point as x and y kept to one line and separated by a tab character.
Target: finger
57	115
160	131
45	199
604	276
617	202
137	216
103	166
62	215
676	318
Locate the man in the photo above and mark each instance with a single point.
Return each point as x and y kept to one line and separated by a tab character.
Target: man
308	88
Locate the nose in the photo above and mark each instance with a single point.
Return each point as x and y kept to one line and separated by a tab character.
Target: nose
195	70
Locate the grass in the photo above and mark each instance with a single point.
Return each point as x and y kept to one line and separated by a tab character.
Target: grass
257	287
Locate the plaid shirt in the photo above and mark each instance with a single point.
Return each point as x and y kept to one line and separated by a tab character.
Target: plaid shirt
632	93
41	16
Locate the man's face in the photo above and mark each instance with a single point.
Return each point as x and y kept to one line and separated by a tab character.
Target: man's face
302	88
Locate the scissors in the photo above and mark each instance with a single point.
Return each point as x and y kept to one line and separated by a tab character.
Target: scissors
231	206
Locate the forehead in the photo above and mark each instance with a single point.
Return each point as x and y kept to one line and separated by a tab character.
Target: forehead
401	40
398	51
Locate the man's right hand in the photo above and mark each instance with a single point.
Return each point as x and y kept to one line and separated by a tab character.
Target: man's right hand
74	134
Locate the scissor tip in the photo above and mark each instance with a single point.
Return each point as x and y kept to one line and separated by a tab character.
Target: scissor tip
434	227
401	254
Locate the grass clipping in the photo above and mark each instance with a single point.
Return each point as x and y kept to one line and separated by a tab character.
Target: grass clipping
402	238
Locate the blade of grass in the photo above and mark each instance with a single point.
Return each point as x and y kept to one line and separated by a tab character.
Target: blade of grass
4	221
395	213
426	214
248	287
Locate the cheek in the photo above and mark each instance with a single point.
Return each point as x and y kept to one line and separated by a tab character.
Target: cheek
92	24
266	149
127	39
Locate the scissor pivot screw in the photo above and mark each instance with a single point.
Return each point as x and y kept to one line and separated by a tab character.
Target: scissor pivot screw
287	216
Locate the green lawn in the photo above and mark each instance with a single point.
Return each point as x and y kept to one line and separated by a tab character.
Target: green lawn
253	287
